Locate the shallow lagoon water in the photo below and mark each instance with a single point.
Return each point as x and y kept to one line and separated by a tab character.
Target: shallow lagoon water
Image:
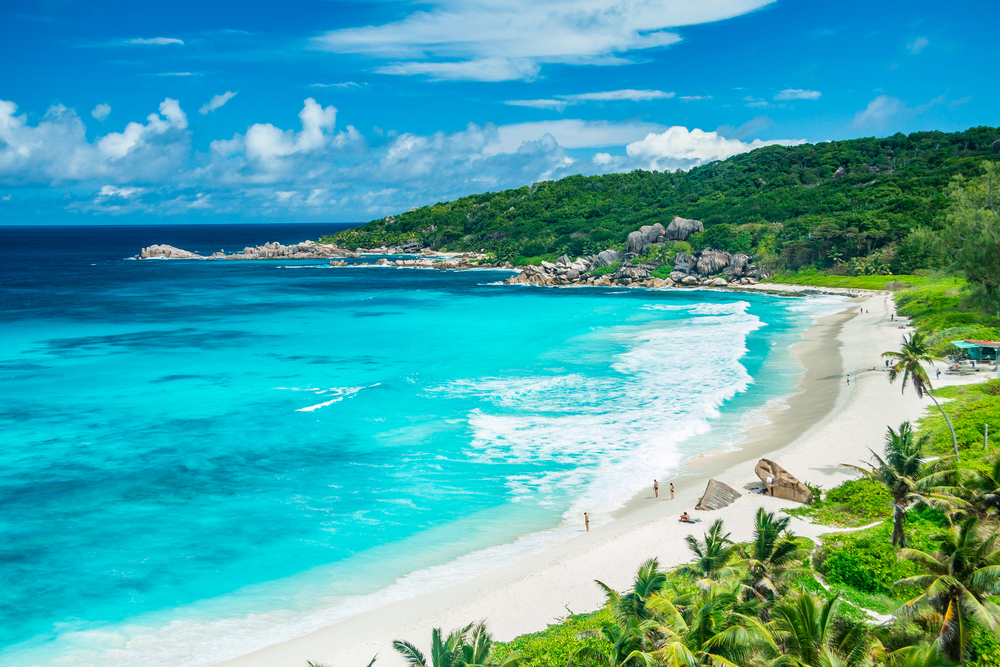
201	457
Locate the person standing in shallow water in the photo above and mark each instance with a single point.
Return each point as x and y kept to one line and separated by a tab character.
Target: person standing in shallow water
671	490
656	489
586	521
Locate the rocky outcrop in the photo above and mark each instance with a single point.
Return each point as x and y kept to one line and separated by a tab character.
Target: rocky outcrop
681	228
607	258
783	483
840	173
713	261
717	495
166	252
996	147
646	236
304	250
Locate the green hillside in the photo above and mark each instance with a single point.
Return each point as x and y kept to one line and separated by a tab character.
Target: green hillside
782	204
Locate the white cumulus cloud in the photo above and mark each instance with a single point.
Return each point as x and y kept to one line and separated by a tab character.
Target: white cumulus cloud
917	45
155	40
101	111
798	94
680	148
487	40
216	102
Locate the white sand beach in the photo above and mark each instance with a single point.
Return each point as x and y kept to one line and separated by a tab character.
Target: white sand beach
828	424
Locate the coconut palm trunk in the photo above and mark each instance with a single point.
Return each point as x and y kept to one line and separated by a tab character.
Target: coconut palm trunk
954	440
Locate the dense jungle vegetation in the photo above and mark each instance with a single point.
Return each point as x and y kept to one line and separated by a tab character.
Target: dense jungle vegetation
785	205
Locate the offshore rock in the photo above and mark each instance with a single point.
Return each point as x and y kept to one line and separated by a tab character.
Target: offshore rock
717	495
681	228
167	252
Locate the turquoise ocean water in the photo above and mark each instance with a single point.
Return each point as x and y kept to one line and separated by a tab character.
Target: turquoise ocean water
198	459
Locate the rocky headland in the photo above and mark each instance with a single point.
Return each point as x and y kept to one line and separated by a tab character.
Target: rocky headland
707	267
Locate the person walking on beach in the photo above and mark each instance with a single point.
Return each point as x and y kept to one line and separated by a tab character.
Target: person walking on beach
939	374
586	521
671	490
848	380
656	488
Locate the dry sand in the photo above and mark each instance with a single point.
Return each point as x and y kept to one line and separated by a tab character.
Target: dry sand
828	424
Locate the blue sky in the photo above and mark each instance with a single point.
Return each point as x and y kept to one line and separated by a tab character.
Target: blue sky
214	111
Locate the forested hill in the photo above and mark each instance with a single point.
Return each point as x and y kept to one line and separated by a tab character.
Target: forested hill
793	206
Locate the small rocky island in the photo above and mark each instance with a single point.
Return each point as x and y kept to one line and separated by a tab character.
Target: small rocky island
648	250
304	250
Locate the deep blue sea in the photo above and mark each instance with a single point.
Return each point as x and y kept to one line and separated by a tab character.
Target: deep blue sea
201	458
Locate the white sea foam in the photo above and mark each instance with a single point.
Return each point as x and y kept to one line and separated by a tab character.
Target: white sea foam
340	392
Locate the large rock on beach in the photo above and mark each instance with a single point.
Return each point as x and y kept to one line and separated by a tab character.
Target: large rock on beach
681	228
783	483
712	261
717	495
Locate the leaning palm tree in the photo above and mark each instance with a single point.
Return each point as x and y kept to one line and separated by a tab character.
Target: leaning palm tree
649	579
909	360
911	479
960	580
804	628
773	556
711	557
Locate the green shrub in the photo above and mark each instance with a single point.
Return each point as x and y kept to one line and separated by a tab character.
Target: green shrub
662	272
865	561
553	646
985	649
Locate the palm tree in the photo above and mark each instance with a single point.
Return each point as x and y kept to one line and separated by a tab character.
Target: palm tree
648	580
627	647
712	556
716	627
910	479
465	647
957	586
770	558
984	489
908	362
804	627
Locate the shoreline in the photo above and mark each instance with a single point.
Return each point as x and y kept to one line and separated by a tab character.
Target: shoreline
824	425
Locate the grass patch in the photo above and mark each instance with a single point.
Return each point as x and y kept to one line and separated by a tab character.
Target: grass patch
854	503
814	278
